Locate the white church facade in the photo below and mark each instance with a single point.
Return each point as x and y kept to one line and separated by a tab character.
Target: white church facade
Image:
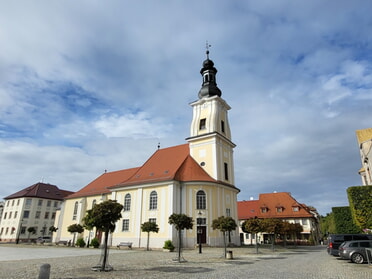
195	178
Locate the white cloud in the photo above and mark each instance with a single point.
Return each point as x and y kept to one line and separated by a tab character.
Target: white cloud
92	81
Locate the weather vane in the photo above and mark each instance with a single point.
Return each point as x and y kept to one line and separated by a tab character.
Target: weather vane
207	46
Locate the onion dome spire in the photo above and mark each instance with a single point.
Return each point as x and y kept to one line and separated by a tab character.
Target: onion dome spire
209	86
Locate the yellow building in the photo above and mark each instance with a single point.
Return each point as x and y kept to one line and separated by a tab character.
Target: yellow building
32	207
364	138
196	178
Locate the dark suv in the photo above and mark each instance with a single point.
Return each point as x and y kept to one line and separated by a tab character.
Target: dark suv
356	251
335	240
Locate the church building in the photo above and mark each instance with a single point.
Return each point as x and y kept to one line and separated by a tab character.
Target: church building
195	178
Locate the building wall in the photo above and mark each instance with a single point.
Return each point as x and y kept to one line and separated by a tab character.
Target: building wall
21	213
307	224
366	159
173	197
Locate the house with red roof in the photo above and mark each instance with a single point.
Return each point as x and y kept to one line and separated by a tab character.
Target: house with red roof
279	205
195	178
34	206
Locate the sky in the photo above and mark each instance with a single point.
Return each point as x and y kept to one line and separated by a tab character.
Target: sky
88	86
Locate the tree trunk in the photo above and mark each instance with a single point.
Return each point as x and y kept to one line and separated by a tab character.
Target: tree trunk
224	242
103	268
148	240
179	245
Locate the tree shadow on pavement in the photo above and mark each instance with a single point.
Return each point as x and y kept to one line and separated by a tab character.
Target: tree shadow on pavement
186	269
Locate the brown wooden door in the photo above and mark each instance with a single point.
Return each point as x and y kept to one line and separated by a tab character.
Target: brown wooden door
202	233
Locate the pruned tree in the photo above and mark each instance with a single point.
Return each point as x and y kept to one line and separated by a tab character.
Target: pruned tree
253	226
285	231
149	227
88	224
75	228
296	229
224	224
272	226
103	216
180	222
52	229
31	230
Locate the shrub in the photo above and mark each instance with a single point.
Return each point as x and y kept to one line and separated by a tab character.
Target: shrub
94	243
168	245
80	242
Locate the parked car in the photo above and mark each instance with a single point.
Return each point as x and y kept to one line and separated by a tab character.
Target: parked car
356	251
335	240
44	239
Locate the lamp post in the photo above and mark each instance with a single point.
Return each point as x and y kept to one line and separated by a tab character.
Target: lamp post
199	232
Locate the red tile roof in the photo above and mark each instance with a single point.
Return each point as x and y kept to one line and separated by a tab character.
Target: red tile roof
41	190
100	184
248	209
166	164
273	201
172	163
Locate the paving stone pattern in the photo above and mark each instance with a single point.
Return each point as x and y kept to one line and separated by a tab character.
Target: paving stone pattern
302	262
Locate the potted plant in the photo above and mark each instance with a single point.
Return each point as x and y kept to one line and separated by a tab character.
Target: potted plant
80	242
168	246
94	242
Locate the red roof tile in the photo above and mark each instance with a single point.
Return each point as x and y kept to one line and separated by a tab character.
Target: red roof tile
41	190
172	163
191	171
100	184
272	201
248	209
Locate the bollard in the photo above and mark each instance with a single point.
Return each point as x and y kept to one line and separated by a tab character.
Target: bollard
44	271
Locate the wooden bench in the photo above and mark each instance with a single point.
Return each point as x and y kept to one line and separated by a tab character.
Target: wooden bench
125	244
62	242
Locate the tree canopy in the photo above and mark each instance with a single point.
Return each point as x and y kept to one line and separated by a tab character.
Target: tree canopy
149	227
224	224
103	216
180	222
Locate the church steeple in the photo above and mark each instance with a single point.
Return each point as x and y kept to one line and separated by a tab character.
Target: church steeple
210	137
209	86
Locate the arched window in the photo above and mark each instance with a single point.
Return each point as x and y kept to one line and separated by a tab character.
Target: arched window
127	201
75	211
201	200
153	200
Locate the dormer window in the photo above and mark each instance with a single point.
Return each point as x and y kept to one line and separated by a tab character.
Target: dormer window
279	209
295	208
264	209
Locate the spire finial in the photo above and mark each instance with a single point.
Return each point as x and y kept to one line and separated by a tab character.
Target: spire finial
207	46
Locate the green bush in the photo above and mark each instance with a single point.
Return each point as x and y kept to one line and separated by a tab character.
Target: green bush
360	200
94	243
80	242
168	245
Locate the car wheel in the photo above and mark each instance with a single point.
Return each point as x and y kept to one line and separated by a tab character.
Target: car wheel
357	258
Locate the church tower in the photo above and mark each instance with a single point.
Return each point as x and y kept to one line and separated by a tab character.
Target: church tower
210	136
